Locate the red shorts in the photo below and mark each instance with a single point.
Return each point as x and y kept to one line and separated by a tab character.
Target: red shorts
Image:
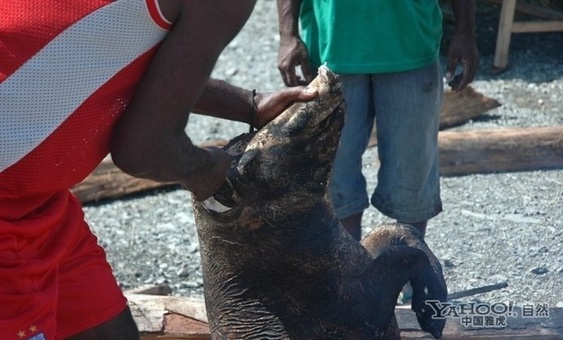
55	280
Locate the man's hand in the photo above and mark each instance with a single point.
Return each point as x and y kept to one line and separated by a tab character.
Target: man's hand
293	54
205	184
462	51
270	105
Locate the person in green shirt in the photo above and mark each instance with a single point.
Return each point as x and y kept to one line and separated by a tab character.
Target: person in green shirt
387	55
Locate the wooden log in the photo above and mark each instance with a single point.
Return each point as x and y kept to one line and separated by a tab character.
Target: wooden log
169	317
460	107
107	181
500	150
517	327
461	153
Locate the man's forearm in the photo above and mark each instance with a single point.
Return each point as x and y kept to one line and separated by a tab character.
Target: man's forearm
464	12
149	139
288	17
223	100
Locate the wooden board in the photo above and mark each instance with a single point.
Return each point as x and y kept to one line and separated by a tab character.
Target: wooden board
460	107
168	317
516	327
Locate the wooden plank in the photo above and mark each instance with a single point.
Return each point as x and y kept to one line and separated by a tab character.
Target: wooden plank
176	326
179	327
169	317
460	107
151	305
180	318
500	150
536	26
517	327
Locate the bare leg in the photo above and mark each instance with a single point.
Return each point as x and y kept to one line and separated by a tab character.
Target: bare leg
122	327
420	226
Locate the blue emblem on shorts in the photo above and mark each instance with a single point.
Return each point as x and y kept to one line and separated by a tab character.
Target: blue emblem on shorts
39	336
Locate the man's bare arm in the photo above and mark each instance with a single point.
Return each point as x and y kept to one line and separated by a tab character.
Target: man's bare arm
462	45
292	51
288	17
223	100
149	140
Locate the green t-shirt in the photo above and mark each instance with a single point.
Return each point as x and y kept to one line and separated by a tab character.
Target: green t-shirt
371	36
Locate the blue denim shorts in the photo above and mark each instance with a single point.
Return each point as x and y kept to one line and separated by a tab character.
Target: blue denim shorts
406	109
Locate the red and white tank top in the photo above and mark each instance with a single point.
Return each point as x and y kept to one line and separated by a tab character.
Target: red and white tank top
67	71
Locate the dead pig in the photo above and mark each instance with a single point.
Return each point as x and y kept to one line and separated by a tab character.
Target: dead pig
276	262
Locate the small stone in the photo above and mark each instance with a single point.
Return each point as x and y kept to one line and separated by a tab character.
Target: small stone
192	248
161	280
184	272
448	263
498	278
543	250
190	284
539	270
231	72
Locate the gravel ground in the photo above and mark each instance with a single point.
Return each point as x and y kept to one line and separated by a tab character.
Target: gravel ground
495	228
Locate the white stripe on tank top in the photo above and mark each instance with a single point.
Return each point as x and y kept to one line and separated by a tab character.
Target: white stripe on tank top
39	96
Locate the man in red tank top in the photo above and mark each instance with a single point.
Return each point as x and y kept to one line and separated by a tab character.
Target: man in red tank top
79	79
